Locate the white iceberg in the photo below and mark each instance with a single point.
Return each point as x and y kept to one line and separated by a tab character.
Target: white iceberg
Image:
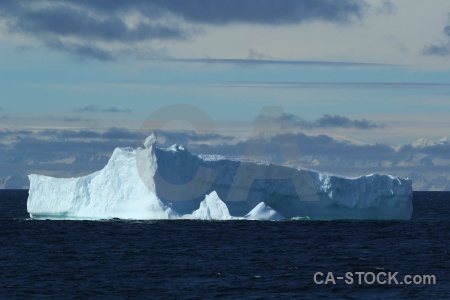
263	212
172	183
212	208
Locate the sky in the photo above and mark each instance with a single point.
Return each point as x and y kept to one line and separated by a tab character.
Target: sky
78	78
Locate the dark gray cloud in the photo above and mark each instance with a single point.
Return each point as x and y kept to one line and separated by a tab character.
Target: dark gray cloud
255	55
439	50
252	61
60	135
190	138
442	49
72	119
326	121
76	120
442	151
447	30
338	85
264	11
10	134
32	148
79	50
82	27
64	135
98	109
387	7
33	151
112	133
220	12
66	21
341	121
121	133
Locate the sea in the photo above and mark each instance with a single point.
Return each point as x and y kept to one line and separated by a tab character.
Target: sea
186	259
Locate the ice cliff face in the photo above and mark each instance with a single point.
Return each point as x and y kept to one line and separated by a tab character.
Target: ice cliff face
116	191
154	183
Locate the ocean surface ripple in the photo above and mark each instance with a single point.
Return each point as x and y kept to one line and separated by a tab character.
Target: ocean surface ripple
186	259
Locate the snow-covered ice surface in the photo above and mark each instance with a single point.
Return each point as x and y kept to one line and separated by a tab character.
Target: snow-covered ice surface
172	183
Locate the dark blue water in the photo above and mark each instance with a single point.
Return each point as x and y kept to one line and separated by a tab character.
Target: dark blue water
230	259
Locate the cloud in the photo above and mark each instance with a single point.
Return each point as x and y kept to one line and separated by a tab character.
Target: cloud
42	149
71	119
439	50
63	21
64	135
265	11
79	50
442	49
337	85
442	151
387	7
258	60
341	121
222	12
254	55
60	135
76	120
102	30
121	133
326	121
98	109
191	138
112	133
447	30
13	134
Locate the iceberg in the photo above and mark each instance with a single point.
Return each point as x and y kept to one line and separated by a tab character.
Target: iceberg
263	212
173	183
212	208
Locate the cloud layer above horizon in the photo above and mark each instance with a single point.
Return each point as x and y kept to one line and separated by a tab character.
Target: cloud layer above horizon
103	29
68	153
326	121
170	29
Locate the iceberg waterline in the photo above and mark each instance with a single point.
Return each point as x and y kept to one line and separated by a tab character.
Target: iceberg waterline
172	183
